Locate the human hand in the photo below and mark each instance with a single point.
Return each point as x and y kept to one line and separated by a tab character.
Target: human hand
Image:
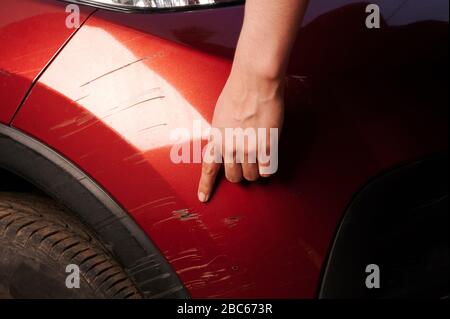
252	98
250	101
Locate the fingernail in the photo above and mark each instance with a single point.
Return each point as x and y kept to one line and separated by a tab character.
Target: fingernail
202	197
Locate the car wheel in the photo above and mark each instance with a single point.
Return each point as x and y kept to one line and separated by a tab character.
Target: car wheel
39	240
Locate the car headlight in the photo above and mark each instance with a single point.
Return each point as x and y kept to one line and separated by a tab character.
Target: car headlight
155	5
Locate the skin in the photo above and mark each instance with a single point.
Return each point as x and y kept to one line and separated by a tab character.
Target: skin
253	96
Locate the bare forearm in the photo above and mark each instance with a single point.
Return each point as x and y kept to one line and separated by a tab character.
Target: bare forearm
269	31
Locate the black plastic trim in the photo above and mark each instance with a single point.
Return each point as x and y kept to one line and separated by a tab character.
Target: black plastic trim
400	222
59	178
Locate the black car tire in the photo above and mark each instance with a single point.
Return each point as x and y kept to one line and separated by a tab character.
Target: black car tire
39	239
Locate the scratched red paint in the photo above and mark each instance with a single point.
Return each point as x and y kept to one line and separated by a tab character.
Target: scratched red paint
110	98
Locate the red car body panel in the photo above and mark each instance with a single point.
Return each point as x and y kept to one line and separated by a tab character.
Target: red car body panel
110	99
31	33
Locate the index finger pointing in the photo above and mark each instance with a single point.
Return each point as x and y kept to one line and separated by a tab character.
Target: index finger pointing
209	174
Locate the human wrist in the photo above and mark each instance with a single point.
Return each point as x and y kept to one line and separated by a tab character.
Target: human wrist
263	65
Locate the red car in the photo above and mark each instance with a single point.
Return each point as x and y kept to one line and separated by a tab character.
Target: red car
86	178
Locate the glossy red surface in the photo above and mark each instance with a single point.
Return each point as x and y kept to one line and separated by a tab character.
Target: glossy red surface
110	99
31	32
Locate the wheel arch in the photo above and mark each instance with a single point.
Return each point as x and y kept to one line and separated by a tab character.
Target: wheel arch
30	161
